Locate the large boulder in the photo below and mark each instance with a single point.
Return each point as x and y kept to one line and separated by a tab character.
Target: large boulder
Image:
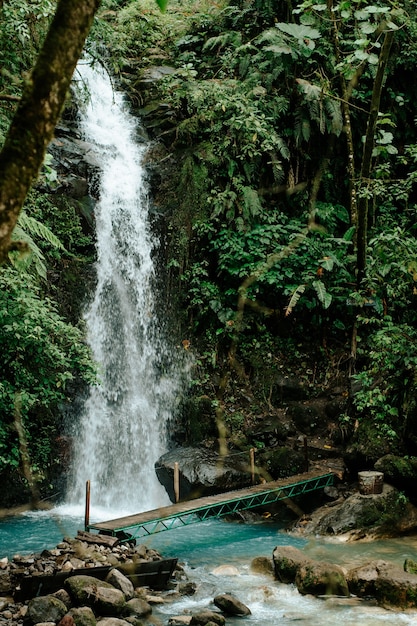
362	579
137	607
282	461
120	581
390	585
229	604
321	579
45	609
378	515
397	589
287	560
399	471
102	597
201	472
5	583
180	620
203	618
83	616
262	565
113	621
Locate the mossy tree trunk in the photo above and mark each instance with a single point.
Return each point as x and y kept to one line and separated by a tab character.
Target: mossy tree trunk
42	100
363	201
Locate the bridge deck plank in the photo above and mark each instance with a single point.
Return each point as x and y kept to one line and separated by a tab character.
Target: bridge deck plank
187	507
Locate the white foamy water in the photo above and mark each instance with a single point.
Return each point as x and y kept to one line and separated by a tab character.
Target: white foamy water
122	431
206	546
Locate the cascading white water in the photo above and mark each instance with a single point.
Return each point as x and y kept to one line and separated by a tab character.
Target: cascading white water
122	429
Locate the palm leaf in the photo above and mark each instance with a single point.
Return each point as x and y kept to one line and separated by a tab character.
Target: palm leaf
296	295
323	295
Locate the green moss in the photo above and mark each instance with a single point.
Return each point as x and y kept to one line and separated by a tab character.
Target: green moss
282	461
383	512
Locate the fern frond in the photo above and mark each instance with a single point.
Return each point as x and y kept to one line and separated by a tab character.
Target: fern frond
302	127
349	234
233	38
282	147
34	255
251	202
334	115
296	295
25	229
250	168
244	65
312	92
34	227
277	169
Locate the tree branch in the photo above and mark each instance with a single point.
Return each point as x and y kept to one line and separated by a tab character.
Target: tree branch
9	98
35	119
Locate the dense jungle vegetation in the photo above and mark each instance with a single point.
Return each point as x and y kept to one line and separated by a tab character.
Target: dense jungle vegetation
283	171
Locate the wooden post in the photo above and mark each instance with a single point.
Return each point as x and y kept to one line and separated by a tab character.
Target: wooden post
176	482
87	505
306	463
252	464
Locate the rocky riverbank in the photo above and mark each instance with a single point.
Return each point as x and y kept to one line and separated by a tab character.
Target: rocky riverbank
95	581
388	584
91	580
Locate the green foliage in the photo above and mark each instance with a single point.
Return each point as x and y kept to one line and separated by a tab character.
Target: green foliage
260	197
318	260
137	31
392	273
61	217
23	26
27	228
40	357
388	380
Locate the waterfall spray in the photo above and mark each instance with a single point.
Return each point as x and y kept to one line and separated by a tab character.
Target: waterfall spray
122	430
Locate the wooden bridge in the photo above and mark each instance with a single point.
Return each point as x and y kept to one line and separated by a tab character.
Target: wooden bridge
200	509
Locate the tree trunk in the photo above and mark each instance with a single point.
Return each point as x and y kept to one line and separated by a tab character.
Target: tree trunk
346	93
33	125
362	231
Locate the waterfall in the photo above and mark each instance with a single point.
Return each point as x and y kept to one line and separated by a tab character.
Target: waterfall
122	430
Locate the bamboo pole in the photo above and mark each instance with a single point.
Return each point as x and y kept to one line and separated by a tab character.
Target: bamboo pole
306	461
87	505
176	481
252	464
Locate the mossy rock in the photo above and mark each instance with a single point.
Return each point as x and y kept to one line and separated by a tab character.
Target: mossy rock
287	561
410	566
83	616
321	579
399	591
46	609
398	470
282	461
93	592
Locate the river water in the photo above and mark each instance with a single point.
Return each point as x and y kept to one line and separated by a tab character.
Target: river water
205	546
